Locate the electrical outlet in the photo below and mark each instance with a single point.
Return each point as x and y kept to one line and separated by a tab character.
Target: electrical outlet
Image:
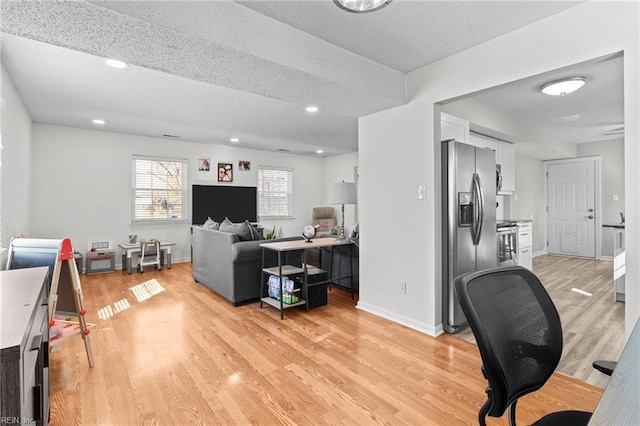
403	287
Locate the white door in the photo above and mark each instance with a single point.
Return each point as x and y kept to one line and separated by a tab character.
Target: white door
571	202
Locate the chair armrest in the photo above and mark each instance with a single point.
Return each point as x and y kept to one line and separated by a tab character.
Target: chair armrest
605	367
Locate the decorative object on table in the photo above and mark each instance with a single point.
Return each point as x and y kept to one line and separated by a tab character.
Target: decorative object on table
244	166
355	232
271	235
335	231
225	172
204	164
309	232
342	193
133	238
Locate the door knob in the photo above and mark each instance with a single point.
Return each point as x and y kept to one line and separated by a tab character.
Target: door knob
589	217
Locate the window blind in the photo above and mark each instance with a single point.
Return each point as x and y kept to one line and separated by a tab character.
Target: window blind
159	189
275	192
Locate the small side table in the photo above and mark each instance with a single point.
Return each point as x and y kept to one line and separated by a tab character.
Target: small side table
282	247
79	259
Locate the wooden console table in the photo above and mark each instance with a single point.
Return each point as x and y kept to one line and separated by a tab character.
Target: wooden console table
282	247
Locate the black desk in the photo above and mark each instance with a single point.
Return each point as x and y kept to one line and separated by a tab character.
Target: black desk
620	402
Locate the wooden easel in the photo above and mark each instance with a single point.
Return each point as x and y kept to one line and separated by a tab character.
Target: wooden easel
57	255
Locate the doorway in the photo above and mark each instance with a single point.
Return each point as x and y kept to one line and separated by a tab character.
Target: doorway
572	200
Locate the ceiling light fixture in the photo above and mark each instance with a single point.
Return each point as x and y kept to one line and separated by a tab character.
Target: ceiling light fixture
116	63
320	151
97	121
234	140
563	86
361	6
311	108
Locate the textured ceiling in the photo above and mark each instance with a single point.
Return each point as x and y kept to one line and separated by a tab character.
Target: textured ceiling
207	71
411	33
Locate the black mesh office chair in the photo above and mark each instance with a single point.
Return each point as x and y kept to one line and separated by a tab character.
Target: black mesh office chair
519	334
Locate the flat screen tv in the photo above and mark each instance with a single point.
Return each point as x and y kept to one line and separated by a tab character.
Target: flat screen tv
238	203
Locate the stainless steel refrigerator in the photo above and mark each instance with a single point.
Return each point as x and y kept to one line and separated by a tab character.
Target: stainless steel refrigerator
469	239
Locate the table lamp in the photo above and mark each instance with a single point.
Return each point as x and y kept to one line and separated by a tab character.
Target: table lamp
342	193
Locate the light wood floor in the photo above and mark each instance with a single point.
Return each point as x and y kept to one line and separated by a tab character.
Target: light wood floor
593	326
185	355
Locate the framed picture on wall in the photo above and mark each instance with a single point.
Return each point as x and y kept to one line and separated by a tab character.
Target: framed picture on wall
204	164
244	166
225	172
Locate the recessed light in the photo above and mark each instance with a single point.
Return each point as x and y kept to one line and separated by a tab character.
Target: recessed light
97	121
311	108
564	86
320	151
234	140
116	63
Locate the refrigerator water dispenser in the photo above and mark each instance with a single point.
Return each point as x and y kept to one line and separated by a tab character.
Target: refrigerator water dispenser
465	209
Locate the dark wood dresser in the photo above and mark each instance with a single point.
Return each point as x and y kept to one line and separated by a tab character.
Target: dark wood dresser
24	346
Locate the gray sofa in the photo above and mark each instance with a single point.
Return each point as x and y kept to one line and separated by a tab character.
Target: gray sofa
230	267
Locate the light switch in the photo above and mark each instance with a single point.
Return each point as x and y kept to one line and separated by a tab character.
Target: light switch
615	197
422	192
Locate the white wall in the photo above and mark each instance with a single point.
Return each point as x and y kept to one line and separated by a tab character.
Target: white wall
528	199
82	184
611	153
401	235
16	164
337	169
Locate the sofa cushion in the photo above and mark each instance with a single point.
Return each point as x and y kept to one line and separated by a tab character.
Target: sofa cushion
244	231
211	224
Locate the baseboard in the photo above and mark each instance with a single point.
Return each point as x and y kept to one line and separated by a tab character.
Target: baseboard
539	253
543	252
400	319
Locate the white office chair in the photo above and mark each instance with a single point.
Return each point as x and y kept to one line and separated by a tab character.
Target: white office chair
149	254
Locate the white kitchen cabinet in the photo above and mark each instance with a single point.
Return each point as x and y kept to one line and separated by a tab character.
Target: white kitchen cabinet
482	141
506	157
525	245
452	127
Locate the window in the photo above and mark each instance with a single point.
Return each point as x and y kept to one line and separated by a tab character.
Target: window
159	189
275	192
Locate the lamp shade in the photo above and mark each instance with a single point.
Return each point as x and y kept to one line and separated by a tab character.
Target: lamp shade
342	193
